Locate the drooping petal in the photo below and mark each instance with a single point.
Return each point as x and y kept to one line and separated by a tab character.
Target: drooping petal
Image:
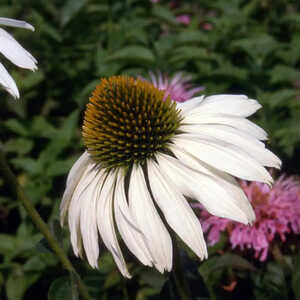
175	208
76	204
8	83
148	220
88	217
226	181
225	157
74	177
129	231
236	105
105	221
240	123
13	51
244	141
16	23
206	189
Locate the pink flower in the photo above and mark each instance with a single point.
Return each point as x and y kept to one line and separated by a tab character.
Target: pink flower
183	19
277	212
177	87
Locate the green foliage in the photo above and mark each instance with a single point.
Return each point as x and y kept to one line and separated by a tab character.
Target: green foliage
235	46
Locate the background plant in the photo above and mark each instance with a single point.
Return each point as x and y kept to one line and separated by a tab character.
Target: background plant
250	47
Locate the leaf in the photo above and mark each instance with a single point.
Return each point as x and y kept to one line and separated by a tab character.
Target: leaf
280	98
191	37
61	289
15	287
60	167
70	9
164	14
20	146
296	277
185	53
133	54
282	74
233	261
16	126
31	80
62	138
18	282
7	243
29	165
42	128
258	46
274	282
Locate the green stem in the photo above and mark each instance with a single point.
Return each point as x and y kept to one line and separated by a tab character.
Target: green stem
178	275
38	221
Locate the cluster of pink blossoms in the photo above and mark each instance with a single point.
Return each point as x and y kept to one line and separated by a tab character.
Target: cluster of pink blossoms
177	87
277	212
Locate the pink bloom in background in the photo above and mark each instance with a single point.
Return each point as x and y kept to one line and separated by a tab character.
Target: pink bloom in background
184	19
277	212
177	87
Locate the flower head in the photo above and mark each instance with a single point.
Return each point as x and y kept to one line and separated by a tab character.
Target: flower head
183	19
144	154
277	212
13	51
177	87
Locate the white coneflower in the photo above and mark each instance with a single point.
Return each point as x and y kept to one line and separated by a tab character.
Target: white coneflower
13	51
145	155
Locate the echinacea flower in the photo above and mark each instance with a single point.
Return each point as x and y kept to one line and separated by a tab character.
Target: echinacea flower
13	51
178	87
277	212
144	155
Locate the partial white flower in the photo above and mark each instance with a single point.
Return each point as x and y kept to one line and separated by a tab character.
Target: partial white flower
146	156
13	51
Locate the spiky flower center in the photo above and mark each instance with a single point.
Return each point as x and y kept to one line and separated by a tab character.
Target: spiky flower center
127	121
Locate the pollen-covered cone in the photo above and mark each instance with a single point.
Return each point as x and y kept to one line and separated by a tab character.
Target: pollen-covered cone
145	155
13	51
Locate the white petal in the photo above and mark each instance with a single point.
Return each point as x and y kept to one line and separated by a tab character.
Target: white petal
239	123
16	23
237	105
8	83
74	177
226	181
105	221
176	209
208	190
132	236
76	204
189	105
247	143
225	157
148	220
13	51
88	217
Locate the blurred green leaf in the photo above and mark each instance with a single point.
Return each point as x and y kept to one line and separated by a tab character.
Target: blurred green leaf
281	73
61	288
164	14
70	9
296	277
16	126
20	146
133	54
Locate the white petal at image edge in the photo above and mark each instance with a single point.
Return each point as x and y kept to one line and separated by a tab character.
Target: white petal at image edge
8	83
16	23
13	51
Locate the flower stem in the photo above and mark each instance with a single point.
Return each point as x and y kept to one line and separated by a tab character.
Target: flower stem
17	190
178	275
